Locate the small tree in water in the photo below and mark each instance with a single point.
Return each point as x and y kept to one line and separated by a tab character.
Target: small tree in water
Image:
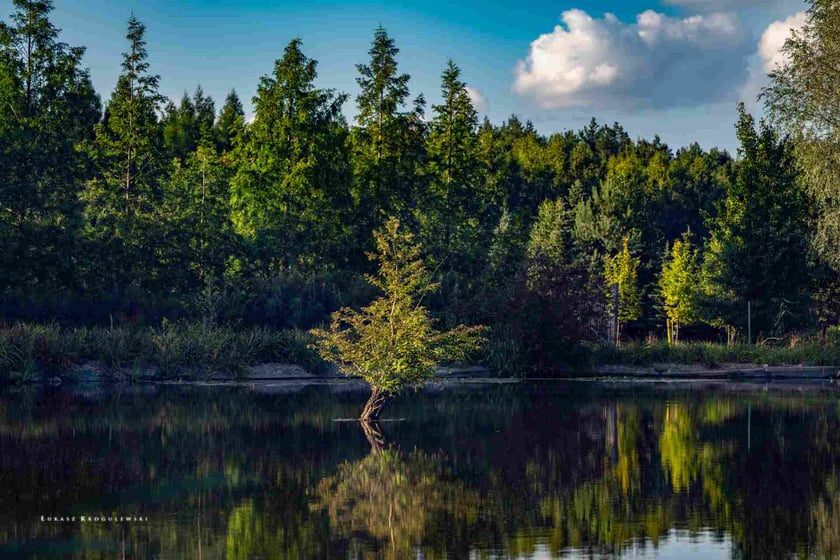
392	343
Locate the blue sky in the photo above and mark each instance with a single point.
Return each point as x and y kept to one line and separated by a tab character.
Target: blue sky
677	70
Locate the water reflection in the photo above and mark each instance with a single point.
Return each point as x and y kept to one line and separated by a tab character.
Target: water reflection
538	470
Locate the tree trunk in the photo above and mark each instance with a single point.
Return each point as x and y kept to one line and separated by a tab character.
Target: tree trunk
374	405
373	433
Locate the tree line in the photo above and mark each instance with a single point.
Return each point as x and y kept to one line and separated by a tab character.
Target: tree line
139	208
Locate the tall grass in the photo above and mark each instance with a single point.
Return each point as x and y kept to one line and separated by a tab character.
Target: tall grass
173	349
809	351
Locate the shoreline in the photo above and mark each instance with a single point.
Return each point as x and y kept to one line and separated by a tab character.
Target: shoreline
95	372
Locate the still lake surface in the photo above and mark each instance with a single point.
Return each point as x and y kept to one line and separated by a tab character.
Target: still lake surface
530	470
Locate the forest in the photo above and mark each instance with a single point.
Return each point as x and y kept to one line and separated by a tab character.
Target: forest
130	210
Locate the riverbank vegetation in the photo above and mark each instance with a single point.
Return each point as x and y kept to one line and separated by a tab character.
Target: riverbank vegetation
172	350
142	215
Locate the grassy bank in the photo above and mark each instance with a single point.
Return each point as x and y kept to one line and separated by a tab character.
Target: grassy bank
174	349
29	352
807	351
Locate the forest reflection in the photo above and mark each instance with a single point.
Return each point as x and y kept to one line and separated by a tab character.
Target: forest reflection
488	471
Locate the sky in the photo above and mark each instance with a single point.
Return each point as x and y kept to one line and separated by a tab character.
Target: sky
673	68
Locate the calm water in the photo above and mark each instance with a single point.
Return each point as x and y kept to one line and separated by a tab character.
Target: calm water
541	470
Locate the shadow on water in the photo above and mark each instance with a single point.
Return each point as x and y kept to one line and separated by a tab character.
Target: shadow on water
528	470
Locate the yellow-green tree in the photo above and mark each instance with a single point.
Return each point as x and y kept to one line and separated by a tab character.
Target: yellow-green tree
678	286
392	343
622	269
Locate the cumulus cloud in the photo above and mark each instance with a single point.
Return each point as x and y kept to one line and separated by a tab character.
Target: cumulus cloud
773	39
769	55
477	98
658	61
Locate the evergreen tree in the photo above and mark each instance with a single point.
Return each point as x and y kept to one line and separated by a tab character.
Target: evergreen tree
291	189
697	182
453	202
48	110
231	123
558	295
205	118
199	233
189	125
124	196
180	130
381	188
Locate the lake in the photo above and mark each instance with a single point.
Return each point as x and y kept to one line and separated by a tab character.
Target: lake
468	470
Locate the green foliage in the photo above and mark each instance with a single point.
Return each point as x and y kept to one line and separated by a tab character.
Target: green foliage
189	125
231	123
452	203
622	269
387	142
290	191
122	199
139	215
806	351
757	249
804	98
48	108
173	349
392	343
679	285
549	237
200	235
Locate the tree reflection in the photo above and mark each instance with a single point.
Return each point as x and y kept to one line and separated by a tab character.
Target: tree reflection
390	498
239	475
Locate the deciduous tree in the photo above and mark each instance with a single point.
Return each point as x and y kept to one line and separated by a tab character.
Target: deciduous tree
392	343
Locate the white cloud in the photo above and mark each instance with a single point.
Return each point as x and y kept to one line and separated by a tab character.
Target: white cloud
769	55
477	98
774	37
658	61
